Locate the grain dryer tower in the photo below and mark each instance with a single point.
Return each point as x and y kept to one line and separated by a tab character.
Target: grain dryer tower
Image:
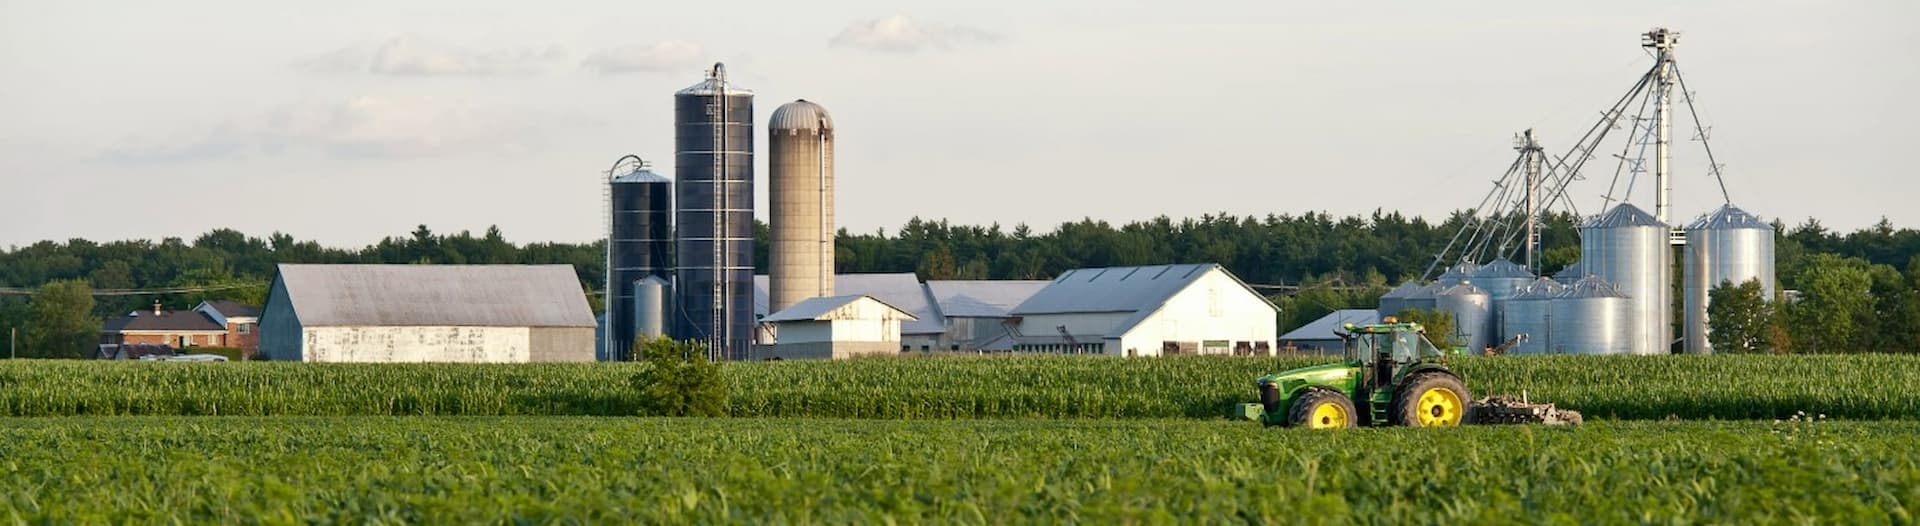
639	254
713	186
800	193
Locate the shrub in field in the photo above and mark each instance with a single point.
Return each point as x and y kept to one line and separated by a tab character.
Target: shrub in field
679	380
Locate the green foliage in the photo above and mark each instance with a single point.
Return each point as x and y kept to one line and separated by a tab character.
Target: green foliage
1835	312
62	325
1740	320
679	380
697	471
1438	324
1317	298
1623	387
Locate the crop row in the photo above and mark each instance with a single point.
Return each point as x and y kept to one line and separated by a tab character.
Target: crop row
416	470
1623	387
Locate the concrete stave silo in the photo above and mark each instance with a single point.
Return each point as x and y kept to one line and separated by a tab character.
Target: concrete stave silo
1629	249
713	189
639	246
1726	245
800	199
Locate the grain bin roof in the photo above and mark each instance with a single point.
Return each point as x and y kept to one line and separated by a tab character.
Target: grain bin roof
1625	215
1729	217
437	295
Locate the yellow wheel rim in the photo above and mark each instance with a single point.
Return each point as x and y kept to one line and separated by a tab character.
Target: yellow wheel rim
1440	406
1327	415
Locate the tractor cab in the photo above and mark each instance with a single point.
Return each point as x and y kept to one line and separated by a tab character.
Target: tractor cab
1391	375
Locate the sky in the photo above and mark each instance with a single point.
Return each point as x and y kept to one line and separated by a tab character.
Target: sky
347	121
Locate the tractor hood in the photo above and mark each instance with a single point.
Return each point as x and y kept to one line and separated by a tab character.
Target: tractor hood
1323	374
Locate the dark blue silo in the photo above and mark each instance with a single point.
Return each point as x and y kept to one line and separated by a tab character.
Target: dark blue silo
713	186
639	245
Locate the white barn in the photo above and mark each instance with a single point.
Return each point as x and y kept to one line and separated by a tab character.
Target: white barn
427	313
1146	311
836	327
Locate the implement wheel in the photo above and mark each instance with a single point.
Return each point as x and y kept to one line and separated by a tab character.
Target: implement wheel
1322	409
1431	399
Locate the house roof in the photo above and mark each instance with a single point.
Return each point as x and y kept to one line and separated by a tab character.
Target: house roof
234	309
901	290
449	295
982	298
1322	329
165	321
820	308
1139	290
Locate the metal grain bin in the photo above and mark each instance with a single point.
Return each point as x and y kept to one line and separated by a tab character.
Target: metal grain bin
1590	317
649	308
1423	297
1457	273
1728	245
1471	308
1395	300
1501	279
1628	248
1526	313
713	223
639	245
1570	274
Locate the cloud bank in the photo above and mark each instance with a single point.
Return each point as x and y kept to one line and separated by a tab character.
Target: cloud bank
363	127
903	34
651	58
416	56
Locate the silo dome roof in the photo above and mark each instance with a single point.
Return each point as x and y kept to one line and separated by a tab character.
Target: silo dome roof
1729	217
1590	287
641	175
1625	215
715	84
800	115
1501	268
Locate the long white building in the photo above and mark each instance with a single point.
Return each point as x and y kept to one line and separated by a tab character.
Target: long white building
1146	311
427	313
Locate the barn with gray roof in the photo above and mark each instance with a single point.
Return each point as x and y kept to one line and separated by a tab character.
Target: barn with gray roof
427	313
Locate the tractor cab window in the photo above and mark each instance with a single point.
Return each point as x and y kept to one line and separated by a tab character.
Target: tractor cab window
1361	347
1406	345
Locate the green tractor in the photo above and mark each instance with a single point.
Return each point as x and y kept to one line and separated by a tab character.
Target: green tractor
1392	376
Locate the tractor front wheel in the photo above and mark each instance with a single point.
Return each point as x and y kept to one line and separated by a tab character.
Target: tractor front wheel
1431	399
1322	409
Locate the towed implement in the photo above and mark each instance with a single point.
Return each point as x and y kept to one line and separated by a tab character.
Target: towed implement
1392	375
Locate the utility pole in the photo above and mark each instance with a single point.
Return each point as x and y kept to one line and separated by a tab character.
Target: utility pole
13	343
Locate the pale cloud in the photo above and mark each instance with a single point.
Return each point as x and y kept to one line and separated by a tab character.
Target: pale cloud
364	127
903	34
409	55
667	55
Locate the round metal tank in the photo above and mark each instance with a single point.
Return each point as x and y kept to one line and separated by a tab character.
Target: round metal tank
713	186
1628	248
1501	279
639	245
649	308
1471	308
800	202
1395	300
1728	245
1590	316
1526	313
1457	273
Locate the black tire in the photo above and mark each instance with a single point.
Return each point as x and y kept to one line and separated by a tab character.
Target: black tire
1304	407
1407	409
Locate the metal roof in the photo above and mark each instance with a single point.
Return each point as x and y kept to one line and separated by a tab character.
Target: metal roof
902	290
818	308
1625	215
800	115
1459	272
1590	287
1572	273
1540	289
1458	289
437	295
1501	268
1322	329
641	175
982	298
1139	290
233	309
1729	217
715	84
1402	291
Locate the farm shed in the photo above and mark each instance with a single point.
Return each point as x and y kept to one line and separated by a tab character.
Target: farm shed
1317	337
1146	311
837	327
427	313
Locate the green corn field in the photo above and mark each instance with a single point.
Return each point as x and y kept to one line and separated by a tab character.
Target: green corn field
1861	387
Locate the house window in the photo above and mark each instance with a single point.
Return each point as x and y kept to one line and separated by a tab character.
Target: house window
246	328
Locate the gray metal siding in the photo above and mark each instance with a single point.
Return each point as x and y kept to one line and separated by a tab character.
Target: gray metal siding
280	331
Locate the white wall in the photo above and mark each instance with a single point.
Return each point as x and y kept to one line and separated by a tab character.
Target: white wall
1212	308
417	344
1086	327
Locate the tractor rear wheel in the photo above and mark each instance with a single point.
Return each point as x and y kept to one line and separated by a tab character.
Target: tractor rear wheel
1322	409
1431	399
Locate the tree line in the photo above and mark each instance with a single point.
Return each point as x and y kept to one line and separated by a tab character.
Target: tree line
1866	277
